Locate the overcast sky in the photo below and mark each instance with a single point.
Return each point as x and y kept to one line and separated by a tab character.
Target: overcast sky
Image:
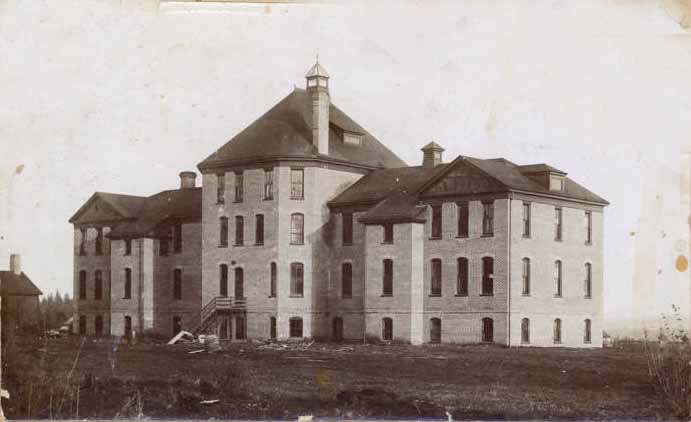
120	96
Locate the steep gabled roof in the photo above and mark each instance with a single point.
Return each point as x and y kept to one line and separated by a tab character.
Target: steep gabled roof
17	285
399	207
284	132
169	204
126	206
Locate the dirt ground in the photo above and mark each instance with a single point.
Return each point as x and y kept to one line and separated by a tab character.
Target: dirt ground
255	381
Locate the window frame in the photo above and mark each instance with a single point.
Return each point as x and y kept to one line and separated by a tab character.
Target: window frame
99	243
239	230
223	280
239	283
525	331
462	276
587	331
82	284
387	277
558	278
437	224
487	285
177	284
259	229
128	247
588	227
347	280
223	231
435	270
588	281
557	334
177	238
239	187
220	188
527	219
487	218
273	279
82	242
525	276
387	229
297	187
295	324
463	216
297	279
268	184
127	294
558	224
297	228
98	285
387	329
347	228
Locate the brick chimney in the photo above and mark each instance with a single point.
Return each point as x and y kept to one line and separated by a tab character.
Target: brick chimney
15	263
431	155
188	179
319	101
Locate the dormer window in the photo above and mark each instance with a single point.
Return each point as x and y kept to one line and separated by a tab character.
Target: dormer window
352	139
556	183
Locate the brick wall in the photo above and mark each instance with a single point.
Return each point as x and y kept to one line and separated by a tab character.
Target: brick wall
90	262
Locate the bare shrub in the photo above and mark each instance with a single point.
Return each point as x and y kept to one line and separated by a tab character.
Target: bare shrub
669	364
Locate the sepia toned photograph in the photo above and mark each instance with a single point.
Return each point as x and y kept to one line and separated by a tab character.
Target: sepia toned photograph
345	210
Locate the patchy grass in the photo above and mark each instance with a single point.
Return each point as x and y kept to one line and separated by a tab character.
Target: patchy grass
351	381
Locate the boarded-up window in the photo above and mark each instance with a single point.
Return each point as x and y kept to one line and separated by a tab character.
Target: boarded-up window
526	219
557	223
435	282
347	280
239	328
297	184
487	276
128	246
296	279
487	330
588	227
272	328
387	278
435	330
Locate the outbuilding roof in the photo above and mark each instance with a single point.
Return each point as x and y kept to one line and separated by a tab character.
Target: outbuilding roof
12	284
285	132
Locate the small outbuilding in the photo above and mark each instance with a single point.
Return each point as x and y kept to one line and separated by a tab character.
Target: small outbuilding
19	294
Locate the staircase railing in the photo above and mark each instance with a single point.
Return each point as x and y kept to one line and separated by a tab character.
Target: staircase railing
218	303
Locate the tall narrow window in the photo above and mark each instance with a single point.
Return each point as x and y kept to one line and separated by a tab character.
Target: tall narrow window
588	281
557	331
557	279
526	276
387	329
223	235
239	283
239	328
297	229
557	223
177	238
268	184
297	184
435	330
239	230
274	280
220	188
388	232
463	219
526	219
99	241
586	332
296	327
223	282
177	284
387	279
163	246
296	279
487	330
259	229
98	285
82	285
487	276
488	218
239	187
82	242
128	246
98	325
462	277
272	328
525	331
128	284
588	227
347	280
435	282
436	221
347	232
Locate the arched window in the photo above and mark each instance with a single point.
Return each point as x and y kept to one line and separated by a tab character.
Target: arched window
347	280
462	277
223	227
435	330
487	276
557	279
128	284
239	283
274	279
98	325
487	330
296	327
223	283
82	285
557	331
297	229
387	329
177	284
525	330
387	278
526	276
98	285
587	282
586	332
435	282
297	280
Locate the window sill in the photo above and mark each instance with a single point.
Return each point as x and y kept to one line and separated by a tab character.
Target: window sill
487	235
587	297
386	295
558	296
435	238
525	343
347	244
527	236
259	244
462	236
486	294
272	296
269	199
587	342
297	296
588	243
297	199
239	244
238	202
435	295
297	244
387	243
223	246
220	202
460	295
557	342
525	294
126	298
346	297
558	239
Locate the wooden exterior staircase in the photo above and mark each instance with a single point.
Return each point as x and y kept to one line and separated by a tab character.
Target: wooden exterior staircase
215	306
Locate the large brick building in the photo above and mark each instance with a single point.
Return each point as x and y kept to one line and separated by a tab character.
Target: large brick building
306	226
